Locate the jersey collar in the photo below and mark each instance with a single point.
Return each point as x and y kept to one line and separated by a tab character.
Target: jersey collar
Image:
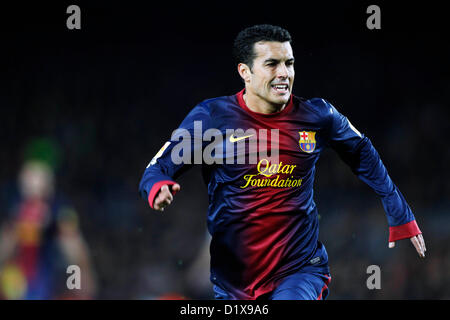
243	105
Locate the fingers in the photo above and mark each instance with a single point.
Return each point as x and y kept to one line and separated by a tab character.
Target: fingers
422	242
418	245
165	197
175	188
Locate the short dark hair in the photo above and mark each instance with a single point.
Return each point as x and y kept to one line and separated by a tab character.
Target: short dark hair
243	47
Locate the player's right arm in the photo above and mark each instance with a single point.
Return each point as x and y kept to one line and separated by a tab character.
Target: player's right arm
165	196
158	185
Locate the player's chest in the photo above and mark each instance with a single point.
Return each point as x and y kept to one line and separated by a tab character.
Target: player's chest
279	150
250	137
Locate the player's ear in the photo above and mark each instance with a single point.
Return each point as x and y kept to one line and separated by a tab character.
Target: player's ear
244	72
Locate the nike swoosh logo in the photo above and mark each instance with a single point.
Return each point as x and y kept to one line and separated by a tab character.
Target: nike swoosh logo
233	139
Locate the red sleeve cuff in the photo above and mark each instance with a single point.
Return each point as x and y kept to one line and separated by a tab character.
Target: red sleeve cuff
155	189
404	231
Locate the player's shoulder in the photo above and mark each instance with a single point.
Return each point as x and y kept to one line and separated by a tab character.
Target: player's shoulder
318	106
208	108
218	103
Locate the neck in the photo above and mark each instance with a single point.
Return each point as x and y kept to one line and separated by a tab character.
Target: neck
259	105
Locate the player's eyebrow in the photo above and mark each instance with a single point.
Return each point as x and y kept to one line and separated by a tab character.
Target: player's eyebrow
272	60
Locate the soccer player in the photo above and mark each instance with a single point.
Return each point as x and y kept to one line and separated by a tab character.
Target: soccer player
262	216
40	239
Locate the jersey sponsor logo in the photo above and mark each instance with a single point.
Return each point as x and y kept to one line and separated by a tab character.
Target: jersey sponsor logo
236	139
307	141
266	170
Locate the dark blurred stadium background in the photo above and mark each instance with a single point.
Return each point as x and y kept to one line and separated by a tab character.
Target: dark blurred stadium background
109	95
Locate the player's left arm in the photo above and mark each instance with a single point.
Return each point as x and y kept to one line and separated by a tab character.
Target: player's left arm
359	153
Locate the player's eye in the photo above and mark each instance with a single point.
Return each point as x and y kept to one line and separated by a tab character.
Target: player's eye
271	63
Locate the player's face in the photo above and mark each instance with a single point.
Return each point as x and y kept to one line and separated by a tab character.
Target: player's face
36	181
272	75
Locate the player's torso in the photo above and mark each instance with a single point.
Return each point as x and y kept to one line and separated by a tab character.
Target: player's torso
266	157
261	193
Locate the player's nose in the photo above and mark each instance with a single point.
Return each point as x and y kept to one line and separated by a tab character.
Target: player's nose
282	72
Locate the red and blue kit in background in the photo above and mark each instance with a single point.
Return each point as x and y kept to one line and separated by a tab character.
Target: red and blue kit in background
262	216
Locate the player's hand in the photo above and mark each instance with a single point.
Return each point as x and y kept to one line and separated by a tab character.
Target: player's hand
165	196
417	242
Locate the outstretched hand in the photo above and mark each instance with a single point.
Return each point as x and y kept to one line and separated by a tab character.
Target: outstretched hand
165	196
417	242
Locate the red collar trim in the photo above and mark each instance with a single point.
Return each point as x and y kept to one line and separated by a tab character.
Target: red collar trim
243	105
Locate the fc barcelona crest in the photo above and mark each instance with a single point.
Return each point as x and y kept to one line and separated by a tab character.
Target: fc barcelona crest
307	141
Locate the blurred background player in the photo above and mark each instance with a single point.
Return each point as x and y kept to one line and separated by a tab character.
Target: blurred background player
41	237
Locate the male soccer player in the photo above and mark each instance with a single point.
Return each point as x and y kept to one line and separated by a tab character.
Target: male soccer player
262	216
40	239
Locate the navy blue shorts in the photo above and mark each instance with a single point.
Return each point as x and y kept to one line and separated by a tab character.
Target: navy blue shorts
297	286
302	286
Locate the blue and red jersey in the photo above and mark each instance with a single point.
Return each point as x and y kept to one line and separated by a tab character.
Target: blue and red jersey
262	216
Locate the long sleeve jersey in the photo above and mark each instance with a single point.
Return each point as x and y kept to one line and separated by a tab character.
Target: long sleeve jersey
259	170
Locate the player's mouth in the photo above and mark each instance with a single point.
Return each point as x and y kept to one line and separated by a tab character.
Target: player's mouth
280	88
